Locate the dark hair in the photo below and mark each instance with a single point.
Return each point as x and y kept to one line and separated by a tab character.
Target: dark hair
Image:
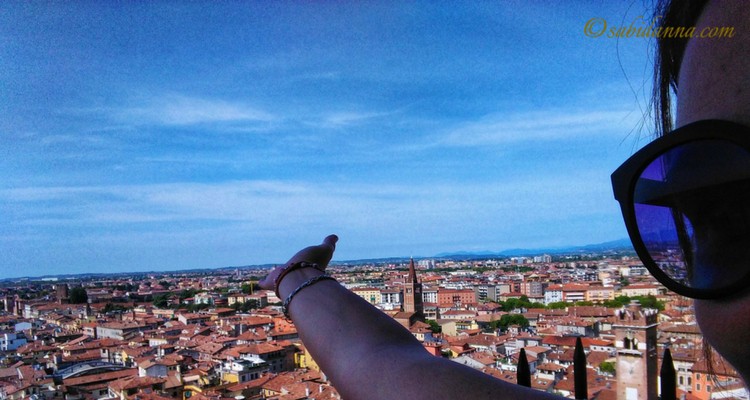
669	52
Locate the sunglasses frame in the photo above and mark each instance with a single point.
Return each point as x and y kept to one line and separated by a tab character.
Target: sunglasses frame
626	176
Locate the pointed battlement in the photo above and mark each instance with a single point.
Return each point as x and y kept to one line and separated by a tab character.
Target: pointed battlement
634	315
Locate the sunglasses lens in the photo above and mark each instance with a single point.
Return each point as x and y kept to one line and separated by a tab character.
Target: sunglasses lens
691	208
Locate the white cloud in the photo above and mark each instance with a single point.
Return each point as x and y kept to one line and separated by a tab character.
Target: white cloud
295	204
504	129
338	119
184	110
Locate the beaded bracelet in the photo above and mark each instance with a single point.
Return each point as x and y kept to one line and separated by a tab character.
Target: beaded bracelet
289	268
309	282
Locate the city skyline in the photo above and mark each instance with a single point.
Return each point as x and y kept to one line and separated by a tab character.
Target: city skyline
168	136
621	248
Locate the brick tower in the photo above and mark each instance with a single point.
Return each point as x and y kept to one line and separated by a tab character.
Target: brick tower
61	293
413	293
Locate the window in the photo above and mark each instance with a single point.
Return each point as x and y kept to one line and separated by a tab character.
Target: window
698	387
708	388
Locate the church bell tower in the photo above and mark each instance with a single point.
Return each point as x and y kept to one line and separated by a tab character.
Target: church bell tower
413	293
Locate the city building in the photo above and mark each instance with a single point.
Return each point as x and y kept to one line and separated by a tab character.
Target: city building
635	341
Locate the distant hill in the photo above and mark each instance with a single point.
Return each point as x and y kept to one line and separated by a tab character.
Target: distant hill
615	245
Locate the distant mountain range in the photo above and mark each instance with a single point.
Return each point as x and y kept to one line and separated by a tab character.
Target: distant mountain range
615	245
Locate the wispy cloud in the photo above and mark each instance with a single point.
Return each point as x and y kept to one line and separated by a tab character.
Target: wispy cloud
503	129
346	118
184	110
275	203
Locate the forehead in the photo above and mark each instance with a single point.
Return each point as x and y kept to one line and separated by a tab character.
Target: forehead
714	77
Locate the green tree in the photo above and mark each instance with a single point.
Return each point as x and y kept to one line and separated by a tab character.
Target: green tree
78	295
187	293
161	301
558	305
510	319
514	304
618	302
128	287
650	301
623	299
607	367
436	328
513	319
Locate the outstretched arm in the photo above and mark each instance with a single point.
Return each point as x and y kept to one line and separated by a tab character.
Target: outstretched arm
367	354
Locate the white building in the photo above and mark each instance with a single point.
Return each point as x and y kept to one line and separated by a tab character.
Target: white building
553	294
390	299
429	294
243	370
203	298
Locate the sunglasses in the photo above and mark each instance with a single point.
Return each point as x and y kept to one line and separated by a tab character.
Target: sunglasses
685	198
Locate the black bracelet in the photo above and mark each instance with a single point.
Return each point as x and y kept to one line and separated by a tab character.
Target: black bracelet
289	268
309	282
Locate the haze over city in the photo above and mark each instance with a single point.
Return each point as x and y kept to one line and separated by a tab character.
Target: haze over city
172	136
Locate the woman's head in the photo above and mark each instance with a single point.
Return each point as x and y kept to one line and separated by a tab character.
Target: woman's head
711	79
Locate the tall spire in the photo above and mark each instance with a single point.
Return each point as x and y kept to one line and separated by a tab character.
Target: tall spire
412	272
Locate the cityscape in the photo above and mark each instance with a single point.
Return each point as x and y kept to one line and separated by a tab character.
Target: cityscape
158	157
213	334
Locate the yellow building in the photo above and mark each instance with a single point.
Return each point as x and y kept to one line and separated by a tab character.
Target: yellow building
303	359
371	295
260	299
598	294
642	290
453	328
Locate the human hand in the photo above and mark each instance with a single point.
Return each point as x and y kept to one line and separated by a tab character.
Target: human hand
320	255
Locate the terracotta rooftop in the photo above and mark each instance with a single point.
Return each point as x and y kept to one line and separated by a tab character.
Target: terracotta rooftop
98	378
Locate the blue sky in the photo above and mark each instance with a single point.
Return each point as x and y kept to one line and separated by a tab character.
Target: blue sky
138	136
